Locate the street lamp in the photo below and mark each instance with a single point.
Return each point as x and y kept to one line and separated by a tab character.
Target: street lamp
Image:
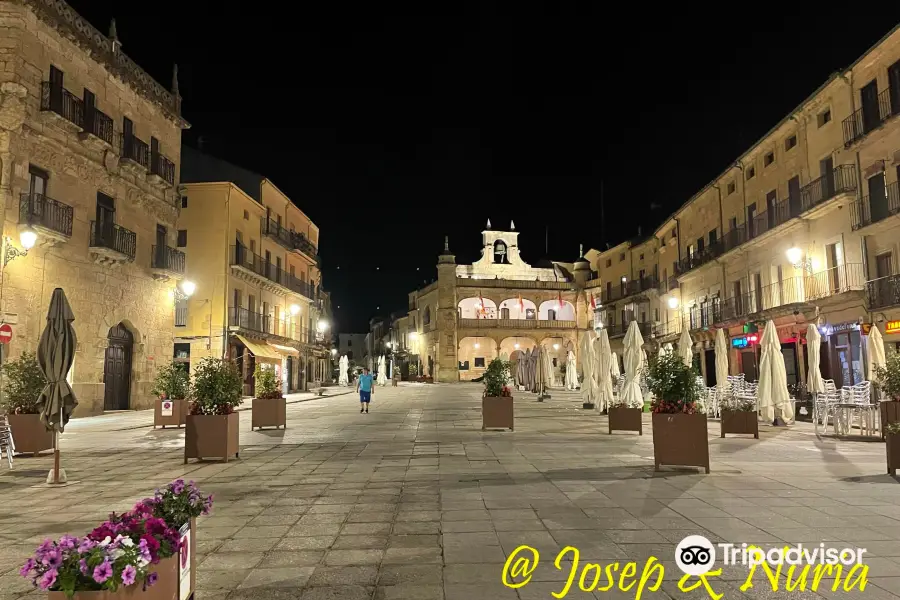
295	309
322	325
188	287
334	351
673	302
556	346
27	238
794	255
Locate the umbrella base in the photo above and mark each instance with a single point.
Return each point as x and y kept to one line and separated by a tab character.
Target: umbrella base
62	477
779	422
587	405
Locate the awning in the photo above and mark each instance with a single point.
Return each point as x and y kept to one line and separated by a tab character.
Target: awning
285	350
261	350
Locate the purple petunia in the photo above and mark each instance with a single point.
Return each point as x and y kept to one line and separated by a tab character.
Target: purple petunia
102	572
28	567
48	579
86	545
83	566
151	578
178	486
144	549
68	542
52	558
128	575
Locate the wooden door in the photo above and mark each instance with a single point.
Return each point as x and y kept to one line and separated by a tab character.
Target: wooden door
794	196
117	369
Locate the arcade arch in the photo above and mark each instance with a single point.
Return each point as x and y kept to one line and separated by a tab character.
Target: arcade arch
474	355
511	308
472	308
550	310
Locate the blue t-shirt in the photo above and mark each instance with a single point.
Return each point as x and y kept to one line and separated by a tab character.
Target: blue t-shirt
365	383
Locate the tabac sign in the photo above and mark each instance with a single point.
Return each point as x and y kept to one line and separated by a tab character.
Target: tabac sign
892	327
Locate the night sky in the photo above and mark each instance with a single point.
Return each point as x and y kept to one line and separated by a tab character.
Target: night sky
393	129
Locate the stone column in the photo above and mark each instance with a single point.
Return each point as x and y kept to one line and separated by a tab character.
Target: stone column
447	361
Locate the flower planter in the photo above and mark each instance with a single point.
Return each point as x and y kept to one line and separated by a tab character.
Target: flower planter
890	413
131	592
212	436
680	440
622	418
497	412
29	434
170	413
893	452
177	574
740	421
268	412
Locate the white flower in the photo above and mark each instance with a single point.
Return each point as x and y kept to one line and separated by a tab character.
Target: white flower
106	542
126	541
142	563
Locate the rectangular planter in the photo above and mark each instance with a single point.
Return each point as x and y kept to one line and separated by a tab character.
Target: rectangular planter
893	453
29	434
890	413
176	419
680	440
740	421
212	436
622	418
268	412
497	413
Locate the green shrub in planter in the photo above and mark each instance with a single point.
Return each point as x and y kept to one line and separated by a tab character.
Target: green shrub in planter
267	385
217	387
495	378
23	383
674	385
172	382
888	377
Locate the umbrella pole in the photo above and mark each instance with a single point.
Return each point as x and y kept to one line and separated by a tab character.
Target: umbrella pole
56	457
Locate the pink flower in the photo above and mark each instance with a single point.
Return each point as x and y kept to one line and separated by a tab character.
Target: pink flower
102	572
27	567
48	579
128	575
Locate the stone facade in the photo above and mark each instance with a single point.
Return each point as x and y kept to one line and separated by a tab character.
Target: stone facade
56	67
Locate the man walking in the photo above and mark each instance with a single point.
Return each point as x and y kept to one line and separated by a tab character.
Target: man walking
364	387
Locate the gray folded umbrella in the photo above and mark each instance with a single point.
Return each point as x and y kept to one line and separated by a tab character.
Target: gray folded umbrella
55	354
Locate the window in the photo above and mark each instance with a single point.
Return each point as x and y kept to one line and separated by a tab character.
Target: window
504	313
184	202
690	251
37	181
790	143
751	173
479	362
293	272
551	315
700	243
349	343
622	257
642	257
732	223
246	215
731	187
182	238
426	318
713	235
608	262
656	314
768	159
253	246
824	117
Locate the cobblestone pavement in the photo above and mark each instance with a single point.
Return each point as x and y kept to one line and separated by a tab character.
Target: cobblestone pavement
414	501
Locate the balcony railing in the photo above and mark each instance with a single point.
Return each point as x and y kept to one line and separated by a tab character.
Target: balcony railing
883	292
795	290
703	316
167	259
99	124
841	180
517	323
59	100
513	283
162	167
136	150
250	320
872	209
302	243
864	120
241	256
666	328
620	329
113	237
38	210
291	240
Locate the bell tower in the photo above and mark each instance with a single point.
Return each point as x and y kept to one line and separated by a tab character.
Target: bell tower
446	347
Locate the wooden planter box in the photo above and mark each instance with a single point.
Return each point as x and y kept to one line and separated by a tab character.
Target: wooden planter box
890	413
497	413
177	574
177	416
893	453
680	440
29	434
212	436
740	421
622	418
268	412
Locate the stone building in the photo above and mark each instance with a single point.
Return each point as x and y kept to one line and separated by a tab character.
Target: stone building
498	306
89	154
799	229
254	258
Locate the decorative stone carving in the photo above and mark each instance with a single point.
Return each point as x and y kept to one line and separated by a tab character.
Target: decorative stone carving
12	106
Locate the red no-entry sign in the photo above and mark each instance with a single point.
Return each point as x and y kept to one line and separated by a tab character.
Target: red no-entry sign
5	333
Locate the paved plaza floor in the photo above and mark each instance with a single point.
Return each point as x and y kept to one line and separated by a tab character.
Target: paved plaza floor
414	501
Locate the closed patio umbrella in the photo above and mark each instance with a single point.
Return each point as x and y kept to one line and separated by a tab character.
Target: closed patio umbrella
875	350
586	362
614	365
686	348
772	390
571	371
632	396
55	354
721	363
604	372
540	371
814	382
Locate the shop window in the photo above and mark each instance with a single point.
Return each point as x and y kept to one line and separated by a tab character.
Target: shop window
479	362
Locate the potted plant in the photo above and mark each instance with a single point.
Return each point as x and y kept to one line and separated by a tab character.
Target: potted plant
887	378
171	388
892	439
497	401
24	382
679	433
739	416
269	406
625	418
87	569
212	425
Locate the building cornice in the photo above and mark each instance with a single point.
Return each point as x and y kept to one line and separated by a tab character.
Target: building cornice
63	18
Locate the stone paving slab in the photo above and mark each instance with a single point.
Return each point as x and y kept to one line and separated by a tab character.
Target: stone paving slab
414	501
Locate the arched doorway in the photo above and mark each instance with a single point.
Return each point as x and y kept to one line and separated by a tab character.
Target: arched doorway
117	369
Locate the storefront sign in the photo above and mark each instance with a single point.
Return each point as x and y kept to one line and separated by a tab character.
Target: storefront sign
865	328
892	327
846	326
740	342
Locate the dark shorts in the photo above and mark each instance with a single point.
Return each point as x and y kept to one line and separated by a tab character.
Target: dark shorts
365	396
